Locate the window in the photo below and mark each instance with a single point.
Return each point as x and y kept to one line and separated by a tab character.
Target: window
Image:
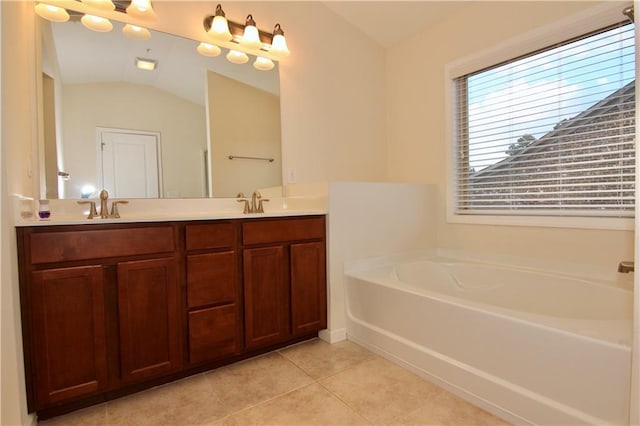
550	133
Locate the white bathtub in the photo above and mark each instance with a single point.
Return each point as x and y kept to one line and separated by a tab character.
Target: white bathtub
531	346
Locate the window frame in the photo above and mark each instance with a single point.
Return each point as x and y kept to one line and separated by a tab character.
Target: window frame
585	22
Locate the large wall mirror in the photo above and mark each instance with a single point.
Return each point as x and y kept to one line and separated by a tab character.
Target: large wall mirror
194	127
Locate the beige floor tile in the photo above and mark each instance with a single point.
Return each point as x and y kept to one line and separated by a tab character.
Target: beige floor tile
254	381
91	416
188	401
310	405
447	409
379	390
320	359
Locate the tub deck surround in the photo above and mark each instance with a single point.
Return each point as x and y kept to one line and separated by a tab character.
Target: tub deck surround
488	333
68	212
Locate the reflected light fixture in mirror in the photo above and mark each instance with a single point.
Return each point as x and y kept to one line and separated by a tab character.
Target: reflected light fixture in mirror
51	12
100	4
96	23
207	49
236	57
135	32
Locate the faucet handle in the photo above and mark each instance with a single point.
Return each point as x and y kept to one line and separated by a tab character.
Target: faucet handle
260	206
246	209
93	212
114	208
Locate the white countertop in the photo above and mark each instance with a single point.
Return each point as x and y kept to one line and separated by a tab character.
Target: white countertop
68	212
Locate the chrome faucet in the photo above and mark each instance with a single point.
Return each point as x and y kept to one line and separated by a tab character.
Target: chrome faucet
626	266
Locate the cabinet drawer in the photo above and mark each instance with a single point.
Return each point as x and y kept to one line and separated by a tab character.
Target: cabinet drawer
64	246
275	231
211	278
210	236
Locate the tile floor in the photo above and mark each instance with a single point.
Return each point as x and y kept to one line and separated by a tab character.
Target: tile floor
312	383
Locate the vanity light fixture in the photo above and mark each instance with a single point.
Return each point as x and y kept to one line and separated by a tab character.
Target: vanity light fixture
146	64
244	40
251	37
279	43
51	12
135	32
96	23
219	27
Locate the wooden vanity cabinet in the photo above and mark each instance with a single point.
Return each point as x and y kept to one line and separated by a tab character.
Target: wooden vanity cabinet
110	309
284	279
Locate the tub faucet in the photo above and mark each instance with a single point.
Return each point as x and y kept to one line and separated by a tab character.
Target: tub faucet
626	266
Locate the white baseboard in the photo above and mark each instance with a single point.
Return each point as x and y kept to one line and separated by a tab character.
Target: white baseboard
333	336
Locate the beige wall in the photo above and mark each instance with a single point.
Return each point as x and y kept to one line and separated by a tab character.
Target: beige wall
416	130
181	124
19	174
255	132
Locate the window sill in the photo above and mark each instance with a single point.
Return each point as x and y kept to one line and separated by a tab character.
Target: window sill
608	223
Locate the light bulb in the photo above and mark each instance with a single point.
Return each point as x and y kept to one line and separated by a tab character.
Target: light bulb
96	23
135	32
207	49
251	36
100	4
219	26
237	57
52	13
263	64
141	9
279	43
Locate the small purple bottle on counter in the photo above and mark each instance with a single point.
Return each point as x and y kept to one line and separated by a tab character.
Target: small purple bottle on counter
44	213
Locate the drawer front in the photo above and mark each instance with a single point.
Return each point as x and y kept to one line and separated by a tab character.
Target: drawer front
64	246
275	231
211	278
210	236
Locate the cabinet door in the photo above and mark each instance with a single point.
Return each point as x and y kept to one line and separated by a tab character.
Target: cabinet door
213	333
308	288
266	296
148	293
68	333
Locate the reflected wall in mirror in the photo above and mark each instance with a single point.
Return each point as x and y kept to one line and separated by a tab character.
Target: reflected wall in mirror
148	134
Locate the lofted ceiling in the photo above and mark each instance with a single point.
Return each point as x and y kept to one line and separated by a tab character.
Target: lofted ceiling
388	22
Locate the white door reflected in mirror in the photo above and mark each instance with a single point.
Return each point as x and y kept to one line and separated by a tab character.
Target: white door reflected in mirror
129	163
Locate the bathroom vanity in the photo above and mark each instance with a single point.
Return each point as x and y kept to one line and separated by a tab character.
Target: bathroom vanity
112	308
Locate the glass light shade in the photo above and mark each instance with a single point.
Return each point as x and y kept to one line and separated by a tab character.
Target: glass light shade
141	9
135	32
237	57
251	36
52	13
96	23
206	49
220	29
279	46
100	4
263	64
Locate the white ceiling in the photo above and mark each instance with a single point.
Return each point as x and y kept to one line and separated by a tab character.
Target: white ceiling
388	22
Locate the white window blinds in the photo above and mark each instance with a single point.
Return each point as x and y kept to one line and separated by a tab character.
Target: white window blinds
551	133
